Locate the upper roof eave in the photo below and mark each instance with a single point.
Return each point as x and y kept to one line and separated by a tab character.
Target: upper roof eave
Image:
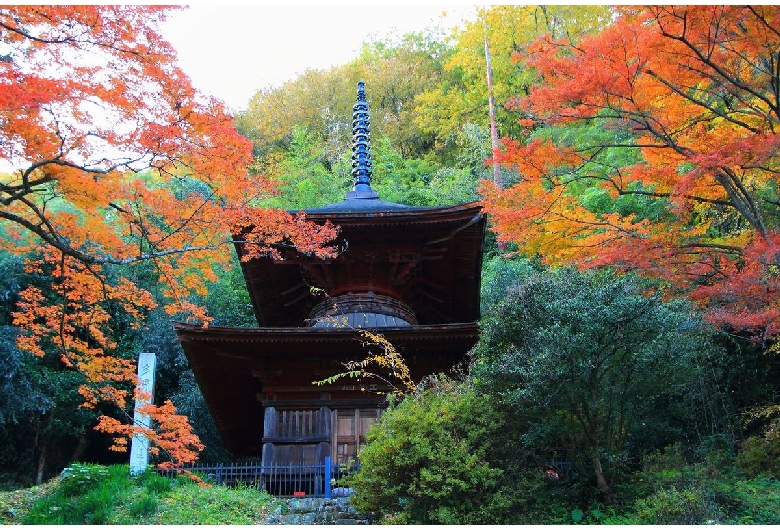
372	208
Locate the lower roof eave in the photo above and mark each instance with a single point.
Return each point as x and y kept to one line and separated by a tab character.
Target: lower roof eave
197	333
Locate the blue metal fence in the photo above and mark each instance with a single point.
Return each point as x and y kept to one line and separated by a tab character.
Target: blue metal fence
280	480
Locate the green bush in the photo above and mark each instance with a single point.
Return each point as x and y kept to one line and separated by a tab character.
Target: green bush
749	501
427	459
526	497
760	455
600	365
78	477
670	491
690	506
663	469
668	458
727	499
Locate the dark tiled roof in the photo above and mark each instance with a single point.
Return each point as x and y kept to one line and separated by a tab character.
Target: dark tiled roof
363	206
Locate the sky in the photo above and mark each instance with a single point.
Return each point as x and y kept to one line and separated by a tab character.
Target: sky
231	51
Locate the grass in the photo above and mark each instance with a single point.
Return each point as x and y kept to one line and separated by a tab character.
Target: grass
93	494
15	504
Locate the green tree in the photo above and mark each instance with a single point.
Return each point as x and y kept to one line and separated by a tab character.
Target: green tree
593	360
397	70
228	300
399	179
318	100
304	177
462	96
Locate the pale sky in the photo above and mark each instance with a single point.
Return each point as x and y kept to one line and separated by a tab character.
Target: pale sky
230	51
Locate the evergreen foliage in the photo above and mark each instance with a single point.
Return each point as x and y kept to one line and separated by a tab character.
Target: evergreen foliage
602	369
429	458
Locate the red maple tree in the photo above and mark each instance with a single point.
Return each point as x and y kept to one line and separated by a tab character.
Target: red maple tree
116	160
654	146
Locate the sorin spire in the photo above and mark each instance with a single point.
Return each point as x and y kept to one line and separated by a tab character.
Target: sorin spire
361	149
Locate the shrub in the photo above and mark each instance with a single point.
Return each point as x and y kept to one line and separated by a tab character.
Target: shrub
427	459
690	506
600	364
78	477
760	455
751	501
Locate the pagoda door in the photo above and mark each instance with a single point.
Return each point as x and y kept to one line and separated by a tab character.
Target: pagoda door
296	436
350	432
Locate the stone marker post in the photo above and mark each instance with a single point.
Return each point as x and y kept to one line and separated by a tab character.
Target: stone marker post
139	446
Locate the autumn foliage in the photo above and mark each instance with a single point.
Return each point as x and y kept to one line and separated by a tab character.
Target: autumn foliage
653	146
117	160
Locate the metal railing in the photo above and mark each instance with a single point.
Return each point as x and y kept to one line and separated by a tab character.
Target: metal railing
280	480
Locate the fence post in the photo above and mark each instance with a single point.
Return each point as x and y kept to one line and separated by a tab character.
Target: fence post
328	474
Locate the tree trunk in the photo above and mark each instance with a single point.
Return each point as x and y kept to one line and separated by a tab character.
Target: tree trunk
43	450
492	111
81	447
600	480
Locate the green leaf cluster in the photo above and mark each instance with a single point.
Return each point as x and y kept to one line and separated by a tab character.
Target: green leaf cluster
429	459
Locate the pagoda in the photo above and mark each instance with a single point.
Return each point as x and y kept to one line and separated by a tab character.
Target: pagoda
409	273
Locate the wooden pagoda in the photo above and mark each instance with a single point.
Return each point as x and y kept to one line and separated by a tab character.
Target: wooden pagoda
410	273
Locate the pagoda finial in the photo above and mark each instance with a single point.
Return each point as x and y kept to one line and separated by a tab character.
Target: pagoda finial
361	149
